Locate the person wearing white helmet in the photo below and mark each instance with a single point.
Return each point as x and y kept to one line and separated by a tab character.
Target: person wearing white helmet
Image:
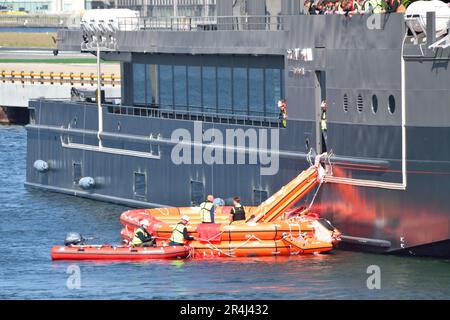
180	233
143	238
207	210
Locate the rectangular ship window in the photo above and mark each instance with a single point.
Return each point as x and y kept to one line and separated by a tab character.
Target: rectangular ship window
76	172
256	91
140	184
155	149
273	85
259	196
180	92
197	192
240	91
166	86
139	77
195	88
224	94
209	85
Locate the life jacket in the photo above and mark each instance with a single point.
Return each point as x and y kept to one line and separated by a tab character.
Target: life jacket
376	6
178	233
401	8
323	121
238	213
357	6
205	211
136	241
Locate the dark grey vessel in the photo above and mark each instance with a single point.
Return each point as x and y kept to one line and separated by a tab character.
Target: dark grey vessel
388	120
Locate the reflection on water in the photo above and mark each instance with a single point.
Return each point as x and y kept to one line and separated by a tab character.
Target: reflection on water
33	221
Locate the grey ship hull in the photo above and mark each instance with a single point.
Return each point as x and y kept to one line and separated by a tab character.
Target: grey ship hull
405	152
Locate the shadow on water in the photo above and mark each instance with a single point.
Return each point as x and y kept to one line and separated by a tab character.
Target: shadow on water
33	221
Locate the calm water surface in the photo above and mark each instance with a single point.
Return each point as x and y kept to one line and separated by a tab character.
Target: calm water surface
32	221
27	29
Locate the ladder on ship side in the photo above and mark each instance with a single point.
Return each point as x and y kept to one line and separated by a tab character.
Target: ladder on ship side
291	193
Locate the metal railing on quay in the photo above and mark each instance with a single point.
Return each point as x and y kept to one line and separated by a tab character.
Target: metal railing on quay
83	79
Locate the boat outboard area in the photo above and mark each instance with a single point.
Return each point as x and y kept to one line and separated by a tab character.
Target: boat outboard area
274	228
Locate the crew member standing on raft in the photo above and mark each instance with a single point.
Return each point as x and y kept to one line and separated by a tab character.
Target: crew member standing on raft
180	234
207	210
142	238
237	212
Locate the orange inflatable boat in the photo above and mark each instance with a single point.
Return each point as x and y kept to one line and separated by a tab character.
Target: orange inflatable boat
108	252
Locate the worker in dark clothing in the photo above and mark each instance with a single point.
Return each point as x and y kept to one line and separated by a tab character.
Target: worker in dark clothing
392	6
142	238
180	234
323	125
237	212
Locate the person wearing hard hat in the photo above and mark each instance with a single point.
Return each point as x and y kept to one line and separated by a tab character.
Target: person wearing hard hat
142	238
207	210
180	233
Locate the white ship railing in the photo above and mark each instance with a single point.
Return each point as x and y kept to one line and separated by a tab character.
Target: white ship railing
236	23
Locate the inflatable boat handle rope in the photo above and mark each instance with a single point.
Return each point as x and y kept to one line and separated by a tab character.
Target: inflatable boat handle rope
213	247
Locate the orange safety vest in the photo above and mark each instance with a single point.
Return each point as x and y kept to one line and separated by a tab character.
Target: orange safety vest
401	8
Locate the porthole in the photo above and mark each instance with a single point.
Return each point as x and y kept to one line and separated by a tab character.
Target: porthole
374	104
345	103
391	104
360	103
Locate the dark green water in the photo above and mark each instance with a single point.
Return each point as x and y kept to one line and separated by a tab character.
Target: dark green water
32	221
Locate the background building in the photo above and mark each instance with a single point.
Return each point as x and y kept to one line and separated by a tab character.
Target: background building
52	6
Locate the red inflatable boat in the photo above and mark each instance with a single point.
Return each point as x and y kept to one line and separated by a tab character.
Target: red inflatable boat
108	252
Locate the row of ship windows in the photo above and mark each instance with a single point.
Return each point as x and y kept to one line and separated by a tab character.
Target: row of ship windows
360	103
140	187
210	89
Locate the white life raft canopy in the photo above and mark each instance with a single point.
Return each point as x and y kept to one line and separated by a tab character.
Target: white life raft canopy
419	25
